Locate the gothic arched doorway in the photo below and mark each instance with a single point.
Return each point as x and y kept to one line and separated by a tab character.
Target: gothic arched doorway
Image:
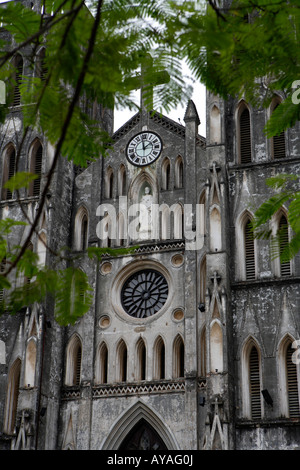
143	437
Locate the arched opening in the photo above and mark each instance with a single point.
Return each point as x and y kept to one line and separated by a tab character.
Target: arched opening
143	437
159	359
165	174
73	362
288	377
178	357
102	369
122	181
278	149
215	125
12	397
9	170
140	360
216	348
17	77
254	383
29	377
283	235
109	183
121	369
36	161
244	134
81	229
215	230
249	250
179	172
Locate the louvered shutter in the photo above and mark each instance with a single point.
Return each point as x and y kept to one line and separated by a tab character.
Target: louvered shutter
249	252
285	267
77	371
37	171
245	137
292	384
279	144
18	77
254	384
11	170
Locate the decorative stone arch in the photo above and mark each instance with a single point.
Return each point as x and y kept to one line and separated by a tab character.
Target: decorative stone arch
73	361
247	400
138	184
9	169
129	419
203	352
246	250
202	200
81	227
289	378
243	132
165	229
42	247
35	166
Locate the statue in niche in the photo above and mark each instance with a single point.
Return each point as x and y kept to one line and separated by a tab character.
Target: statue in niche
145	218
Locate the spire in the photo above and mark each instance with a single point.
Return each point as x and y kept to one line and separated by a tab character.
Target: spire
191	113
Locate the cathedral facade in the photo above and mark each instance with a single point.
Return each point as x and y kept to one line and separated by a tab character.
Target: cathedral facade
190	340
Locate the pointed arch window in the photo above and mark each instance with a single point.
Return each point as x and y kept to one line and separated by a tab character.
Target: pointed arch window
178	357
178	221
203	353
18	72
36	162
159	359
12	396
9	170
249	251
73	363
121	362
179	172
141	360
254	383
81	227
289	381
244	134
109	183
278	147
102	370
31	351
122	181
283	232
165	174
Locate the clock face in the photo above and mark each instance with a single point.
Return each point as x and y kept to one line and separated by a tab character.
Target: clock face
144	148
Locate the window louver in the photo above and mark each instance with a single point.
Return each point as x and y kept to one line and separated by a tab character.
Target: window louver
245	137
279	144
292	384
38	171
254	382
77	367
285	267
249	252
11	171
18	77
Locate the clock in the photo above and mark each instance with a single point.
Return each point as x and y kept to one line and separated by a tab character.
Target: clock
144	148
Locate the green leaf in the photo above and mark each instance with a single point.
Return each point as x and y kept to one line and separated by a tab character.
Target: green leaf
21	179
